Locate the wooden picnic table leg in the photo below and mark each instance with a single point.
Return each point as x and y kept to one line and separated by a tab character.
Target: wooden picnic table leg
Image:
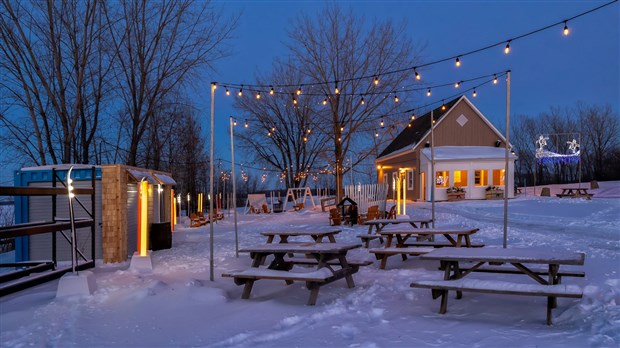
388	243
331	238
314	292
247	289
345	265
467	241
450	239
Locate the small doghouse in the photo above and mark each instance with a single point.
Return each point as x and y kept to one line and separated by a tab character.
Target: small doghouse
348	209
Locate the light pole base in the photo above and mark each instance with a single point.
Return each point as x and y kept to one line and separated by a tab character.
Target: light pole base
141	264
81	284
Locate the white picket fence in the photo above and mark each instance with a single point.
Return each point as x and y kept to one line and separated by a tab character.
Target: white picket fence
367	195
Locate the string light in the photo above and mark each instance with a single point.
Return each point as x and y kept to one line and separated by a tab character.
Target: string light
443	105
376	77
299	91
336	90
342	128
309	130
494	79
271	91
475	94
376	80
507	48
362	101
395	99
227	92
294	100
382	123
246	124
456	85
412	116
240	91
428	93
258	95
268	134
409	125
305	139
325	101
376	134
235	123
417	75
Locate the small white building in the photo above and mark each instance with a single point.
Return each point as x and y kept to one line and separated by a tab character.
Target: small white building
472	168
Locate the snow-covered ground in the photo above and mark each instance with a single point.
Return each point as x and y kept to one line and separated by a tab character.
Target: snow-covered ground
177	305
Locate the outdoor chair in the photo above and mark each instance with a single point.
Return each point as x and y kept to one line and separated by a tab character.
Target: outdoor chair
334	217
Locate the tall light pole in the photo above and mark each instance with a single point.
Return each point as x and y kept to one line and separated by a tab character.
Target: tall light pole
234	186
506	176
432	169
211	258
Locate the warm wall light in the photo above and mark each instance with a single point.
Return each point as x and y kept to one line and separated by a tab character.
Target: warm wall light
143	211
379	166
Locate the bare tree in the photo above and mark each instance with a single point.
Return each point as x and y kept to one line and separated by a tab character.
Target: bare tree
601	138
55	73
285	137
159	44
337	46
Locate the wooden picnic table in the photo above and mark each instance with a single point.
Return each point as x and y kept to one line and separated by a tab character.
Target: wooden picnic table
379	224
398	242
331	264
519	260
575	192
316	235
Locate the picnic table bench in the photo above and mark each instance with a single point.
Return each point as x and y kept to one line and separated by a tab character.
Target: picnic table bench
379	224
316	235
575	192
520	260
398	242
331	265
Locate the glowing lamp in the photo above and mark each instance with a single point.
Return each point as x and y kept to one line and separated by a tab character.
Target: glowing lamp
417	75
376	80
428	93
474	93
566	31
507	48
457	62
271	91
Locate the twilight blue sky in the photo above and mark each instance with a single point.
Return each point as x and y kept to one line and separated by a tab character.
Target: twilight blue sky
548	69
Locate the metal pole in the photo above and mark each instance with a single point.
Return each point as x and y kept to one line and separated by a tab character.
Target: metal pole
579	161
211	266
507	146
432	169
234	187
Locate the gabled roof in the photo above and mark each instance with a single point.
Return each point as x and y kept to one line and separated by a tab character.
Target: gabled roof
410	136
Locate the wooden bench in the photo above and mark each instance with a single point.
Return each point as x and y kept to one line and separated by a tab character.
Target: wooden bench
441	244
366	238
511	270
380	253
328	202
309	261
441	288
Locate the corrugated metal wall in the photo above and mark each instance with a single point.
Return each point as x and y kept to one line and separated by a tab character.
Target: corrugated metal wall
132	218
40	209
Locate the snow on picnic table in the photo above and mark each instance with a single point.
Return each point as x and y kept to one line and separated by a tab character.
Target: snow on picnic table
177	305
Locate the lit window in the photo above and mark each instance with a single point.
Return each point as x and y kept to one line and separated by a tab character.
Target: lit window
498	177
442	179
460	178
481	177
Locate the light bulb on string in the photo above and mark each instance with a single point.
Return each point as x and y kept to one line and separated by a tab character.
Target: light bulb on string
456	85
240	93
268	134
412	116
271	91
273	129
336	90
227	92
428	93
305	139
474	93
409	125
507	48
376	80
457	62
376	134
257	95
381	123
417	75
299	91
565	31
325	101
294	100
235	123
395	99
246	124
362	101
494	79
443	105
309	130
342	128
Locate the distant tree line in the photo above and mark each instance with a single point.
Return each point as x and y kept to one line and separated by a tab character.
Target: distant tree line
596	129
92	81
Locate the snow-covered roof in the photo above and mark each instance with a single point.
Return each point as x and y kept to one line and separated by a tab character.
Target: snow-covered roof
65	166
446	153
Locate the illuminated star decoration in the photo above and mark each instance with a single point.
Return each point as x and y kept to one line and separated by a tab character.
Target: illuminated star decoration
572	145
542	141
